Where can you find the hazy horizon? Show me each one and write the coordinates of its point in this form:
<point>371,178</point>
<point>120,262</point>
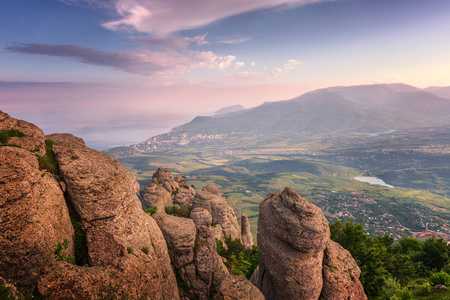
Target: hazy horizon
<point>118,72</point>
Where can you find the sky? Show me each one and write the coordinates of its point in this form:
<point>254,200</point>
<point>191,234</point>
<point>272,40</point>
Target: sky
<point>117,72</point>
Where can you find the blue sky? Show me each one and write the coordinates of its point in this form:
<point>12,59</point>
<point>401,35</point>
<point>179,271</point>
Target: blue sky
<point>117,72</point>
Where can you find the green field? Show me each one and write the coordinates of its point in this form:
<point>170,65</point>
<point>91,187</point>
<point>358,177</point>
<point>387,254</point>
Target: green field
<point>245,176</point>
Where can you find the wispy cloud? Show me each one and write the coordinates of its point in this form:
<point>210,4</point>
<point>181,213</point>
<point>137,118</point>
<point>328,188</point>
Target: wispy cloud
<point>88,3</point>
<point>179,43</point>
<point>231,40</point>
<point>289,65</point>
<point>162,17</point>
<point>142,61</point>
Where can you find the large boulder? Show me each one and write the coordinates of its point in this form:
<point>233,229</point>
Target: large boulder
<point>124,244</point>
<point>296,253</point>
<point>31,137</point>
<point>181,193</point>
<point>33,217</point>
<point>209,206</point>
<point>340,275</point>
<point>237,287</point>
<point>193,254</point>
<point>153,195</point>
<point>246,235</point>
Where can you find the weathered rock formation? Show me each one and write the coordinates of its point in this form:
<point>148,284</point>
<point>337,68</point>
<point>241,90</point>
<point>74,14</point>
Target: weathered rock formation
<point>340,274</point>
<point>193,253</point>
<point>33,213</point>
<point>209,206</point>
<point>125,246</point>
<point>153,195</point>
<point>293,236</point>
<point>181,193</point>
<point>121,252</point>
<point>246,235</point>
<point>33,139</point>
<point>237,288</point>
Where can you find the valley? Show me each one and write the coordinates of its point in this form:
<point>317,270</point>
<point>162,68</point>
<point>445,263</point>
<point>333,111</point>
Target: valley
<point>318,152</point>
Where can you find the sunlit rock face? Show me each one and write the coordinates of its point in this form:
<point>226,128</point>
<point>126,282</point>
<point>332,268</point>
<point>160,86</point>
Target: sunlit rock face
<point>296,252</point>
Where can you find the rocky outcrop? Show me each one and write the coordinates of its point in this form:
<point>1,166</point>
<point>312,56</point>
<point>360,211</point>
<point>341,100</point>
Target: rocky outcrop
<point>33,217</point>
<point>246,235</point>
<point>209,206</point>
<point>237,288</point>
<point>199,267</point>
<point>193,254</point>
<point>181,193</point>
<point>294,233</point>
<point>153,195</point>
<point>340,275</point>
<point>125,246</point>
<point>33,138</point>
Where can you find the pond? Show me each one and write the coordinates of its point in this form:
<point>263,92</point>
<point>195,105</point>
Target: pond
<point>373,180</point>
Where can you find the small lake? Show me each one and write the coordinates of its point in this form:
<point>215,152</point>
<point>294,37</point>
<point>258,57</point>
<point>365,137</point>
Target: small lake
<point>375,133</point>
<point>373,180</point>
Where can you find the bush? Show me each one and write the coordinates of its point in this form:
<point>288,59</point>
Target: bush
<point>145,250</point>
<point>80,242</point>
<point>404,294</point>
<point>175,210</point>
<point>48,161</point>
<point>59,253</point>
<point>390,288</point>
<point>129,250</point>
<point>6,293</point>
<point>423,289</point>
<point>440,278</point>
<point>239,261</point>
<point>6,134</point>
<point>151,211</point>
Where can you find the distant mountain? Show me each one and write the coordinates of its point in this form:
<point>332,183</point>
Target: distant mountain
<point>329,112</point>
<point>441,91</point>
<point>229,109</point>
<point>337,110</point>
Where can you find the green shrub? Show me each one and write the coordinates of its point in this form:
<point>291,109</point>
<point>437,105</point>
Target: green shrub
<point>440,277</point>
<point>6,134</point>
<point>390,289</point>
<point>423,289</point>
<point>151,211</point>
<point>6,293</point>
<point>48,161</point>
<point>175,210</point>
<point>239,260</point>
<point>10,145</point>
<point>59,253</point>
<point>129,250</point>
<point>404,294</point>
<point>145,250</point>
<point>80,243</point>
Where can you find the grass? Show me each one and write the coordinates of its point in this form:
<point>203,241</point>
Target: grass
<point>5,135</point>
<point>248,175</point>
<point>6,293</point>
<point>48,161</point>
<point>80,242</point>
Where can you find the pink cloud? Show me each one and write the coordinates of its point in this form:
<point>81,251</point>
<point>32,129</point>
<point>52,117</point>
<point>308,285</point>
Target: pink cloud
<point>162,17</point>
<point>179,43</point>
<point>166,62</point>
<point>289,65</point>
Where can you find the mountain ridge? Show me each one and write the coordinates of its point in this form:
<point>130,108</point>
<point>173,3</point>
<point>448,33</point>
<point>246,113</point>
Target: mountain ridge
<point>329,112</point>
